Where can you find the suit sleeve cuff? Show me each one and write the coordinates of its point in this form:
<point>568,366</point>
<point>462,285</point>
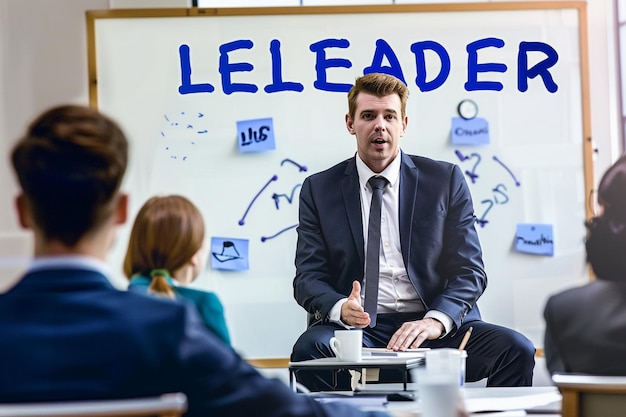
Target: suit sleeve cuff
<point>443,318</point>
<point>334,315</point>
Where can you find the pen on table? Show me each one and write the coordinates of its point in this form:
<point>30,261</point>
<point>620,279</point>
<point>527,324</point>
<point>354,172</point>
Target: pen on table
<point>465,338</point>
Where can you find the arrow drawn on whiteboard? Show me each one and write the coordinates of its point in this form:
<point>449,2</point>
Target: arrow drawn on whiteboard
<point>242,221</point>
<point>302,168</point>
<point>264,238</point>
<point>495,158</point>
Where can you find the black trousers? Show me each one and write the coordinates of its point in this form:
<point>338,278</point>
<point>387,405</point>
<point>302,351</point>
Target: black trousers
<point>502,355</point>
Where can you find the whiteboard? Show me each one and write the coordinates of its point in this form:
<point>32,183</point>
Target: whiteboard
<point>181,81</point>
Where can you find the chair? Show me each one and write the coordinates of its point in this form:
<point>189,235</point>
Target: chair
<point>166,405</point>
<point>591,396</point>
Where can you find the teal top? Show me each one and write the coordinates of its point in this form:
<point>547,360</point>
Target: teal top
<point>207,303</point>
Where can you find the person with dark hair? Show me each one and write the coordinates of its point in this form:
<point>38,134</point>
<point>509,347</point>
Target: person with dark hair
<point>166,252</point>
<point>427,268</point>
<point>68,335</point>
<point>586,325</point>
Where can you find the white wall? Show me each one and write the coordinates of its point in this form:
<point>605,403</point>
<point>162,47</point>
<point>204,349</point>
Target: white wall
<point>43,52</point>
<point>44,62</point>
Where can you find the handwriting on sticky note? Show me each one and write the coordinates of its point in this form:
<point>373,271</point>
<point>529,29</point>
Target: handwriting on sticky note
<point>256,135</point>
<point>537,239</point>
<point>469,132</point>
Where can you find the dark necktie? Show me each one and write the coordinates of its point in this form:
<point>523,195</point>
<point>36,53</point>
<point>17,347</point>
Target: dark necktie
<point>372,270</point>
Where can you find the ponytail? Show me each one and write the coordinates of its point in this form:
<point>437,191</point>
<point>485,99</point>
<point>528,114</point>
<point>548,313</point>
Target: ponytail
<point>159,285</point>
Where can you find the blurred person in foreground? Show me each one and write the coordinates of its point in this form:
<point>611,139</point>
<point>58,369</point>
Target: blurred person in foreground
<point>586,326</point>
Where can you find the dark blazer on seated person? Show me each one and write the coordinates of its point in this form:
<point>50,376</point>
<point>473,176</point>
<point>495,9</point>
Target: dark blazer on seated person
<point>332,199</point>
<point>586,329</point>
<point>586,326</point>
<point>67,334</point>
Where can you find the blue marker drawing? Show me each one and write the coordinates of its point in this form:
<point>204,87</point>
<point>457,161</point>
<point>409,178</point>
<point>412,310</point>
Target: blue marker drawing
<point>264,238</point>
<point>302,168</point>
<point>482,221</point>
<point>498,191</point>
<point>495,158</point>
<point>289,198</point>
<point>472,174</point>
<point>180,131</point>
<point>242,220</point>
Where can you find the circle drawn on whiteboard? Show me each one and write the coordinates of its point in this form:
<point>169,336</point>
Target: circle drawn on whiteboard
<point>467,109</point>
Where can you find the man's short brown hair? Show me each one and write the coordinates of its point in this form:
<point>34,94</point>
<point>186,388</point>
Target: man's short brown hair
<point>380,85</point>
<point>70,165</point>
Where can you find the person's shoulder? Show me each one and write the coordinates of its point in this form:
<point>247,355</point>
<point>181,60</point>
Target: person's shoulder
<point>432,169</point>
<point>198,295</point>
<point>139,284</point>
<point>575,295</point>
<point>143,306</point>
<point>423,162</point>
<point>332,172</point>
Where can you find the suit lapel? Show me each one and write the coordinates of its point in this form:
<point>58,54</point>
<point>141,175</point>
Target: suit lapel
<point>407,199</point>
<point>352,201</point>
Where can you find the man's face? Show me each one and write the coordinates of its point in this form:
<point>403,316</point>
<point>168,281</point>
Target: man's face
<point>378,126</point>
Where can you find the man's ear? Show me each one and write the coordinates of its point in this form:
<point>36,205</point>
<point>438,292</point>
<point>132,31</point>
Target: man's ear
<point>349,124</point>
<point>23,211</point>
<point>121,210</point>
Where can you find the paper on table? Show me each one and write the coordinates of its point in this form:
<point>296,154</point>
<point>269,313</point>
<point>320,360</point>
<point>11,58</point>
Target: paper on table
<point>503,400</point>
<point>416,352</point>
<point>360,401</point>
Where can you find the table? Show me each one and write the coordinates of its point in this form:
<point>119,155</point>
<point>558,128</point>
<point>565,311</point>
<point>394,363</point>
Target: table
<point>401,363</point>
<point>480,402</point>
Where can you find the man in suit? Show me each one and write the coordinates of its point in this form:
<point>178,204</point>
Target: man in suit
<point>431,270</point>
<point>586,325</point>
<point>67,334</point>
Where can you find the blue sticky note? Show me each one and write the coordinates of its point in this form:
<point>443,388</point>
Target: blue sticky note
<point>537,239</point>
<point>229,254</point>
<point>256,135</point>
<point>469,132</point>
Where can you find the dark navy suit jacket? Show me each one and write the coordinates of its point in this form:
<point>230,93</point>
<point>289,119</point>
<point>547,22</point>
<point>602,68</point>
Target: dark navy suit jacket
<point>67,334</point>
<point>440,246</point>
<point>586,329</point>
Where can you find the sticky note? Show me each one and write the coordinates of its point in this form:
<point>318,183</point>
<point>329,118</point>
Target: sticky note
<point>536,239</point>
<point>256,135</point>
<point>469,132</point>
<point>229,254</point>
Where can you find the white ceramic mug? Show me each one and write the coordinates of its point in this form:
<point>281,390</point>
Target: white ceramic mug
<point>347,344</point>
